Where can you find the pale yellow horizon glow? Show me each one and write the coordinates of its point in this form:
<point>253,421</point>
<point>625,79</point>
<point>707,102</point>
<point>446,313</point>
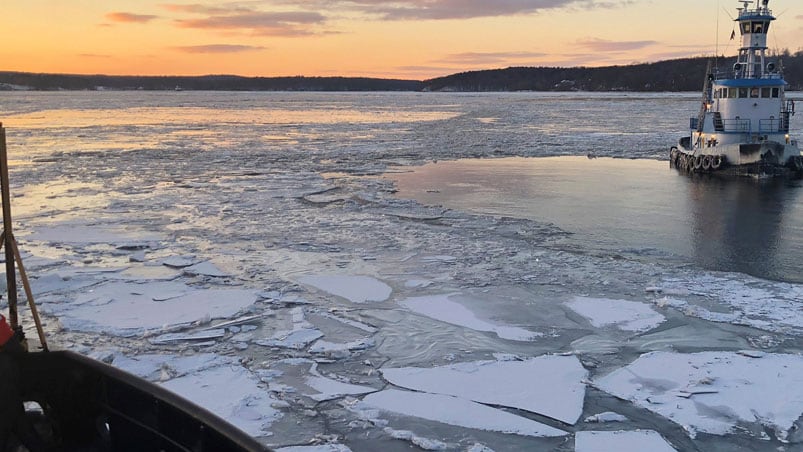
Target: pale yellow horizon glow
<point>353,38</point>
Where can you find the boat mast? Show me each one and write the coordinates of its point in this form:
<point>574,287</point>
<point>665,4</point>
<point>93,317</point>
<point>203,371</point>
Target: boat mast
<point>13,253</point>
<point>11,277</point>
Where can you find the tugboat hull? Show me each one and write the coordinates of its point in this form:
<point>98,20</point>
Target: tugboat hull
<point>768,158</point>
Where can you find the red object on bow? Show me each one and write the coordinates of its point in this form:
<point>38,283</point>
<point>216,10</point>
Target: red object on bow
<point>5,331</point>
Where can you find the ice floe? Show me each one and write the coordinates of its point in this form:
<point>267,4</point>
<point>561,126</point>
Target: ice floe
<point>83,234</point>
<point>445,309</point>
<point>296,339</point>
<point>340,350</point>
<point>548,385</point>
<point>128,309</point>
<point>205,269</point>
<point>299,337</point>
<point>421,442</point>
<point>356,289</point>
<point>608,416</point>
<point>624,441</point>
<point>317,448</point>
<point>301,376</point>
<point>739,299</point>
<point>622,314</point>
<point>171,338</point>
<point>714,392</point>
<point>454,411</point>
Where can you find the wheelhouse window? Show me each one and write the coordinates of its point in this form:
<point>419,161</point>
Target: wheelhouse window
<point>755,27</point>
<point>742,93</point>
<point>776,93</point>
<point>754,93</point>
<point>765,93</point>
<point>732,93</point>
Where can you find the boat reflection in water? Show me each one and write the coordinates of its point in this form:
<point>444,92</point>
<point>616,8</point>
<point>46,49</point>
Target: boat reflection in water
<point>747,226</point>
<point>636,208</point>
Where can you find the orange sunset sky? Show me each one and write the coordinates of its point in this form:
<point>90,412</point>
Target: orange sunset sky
<point>412,39</point>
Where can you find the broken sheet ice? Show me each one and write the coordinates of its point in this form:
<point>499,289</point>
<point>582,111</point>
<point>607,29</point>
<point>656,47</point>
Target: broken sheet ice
<point>608,416</point>
<point>84,234</point>
<point>129,309</point>
<point>179,261</point>
<point>625,441</point>
<point>713,392</point>
<point>738,299</point>
<point>302,376</point>
<point>341,350</point>
<point>622,314</point>
<point>420,441</point>
<point>232,393</point>
<point>171,338</point>
<point>296,339</point>
<point>216,383</point>
<point>205,269</point>
<point>454,411</point>
<point>444,309</point>
<point>548,385</point>
<point>356,289</point>
<point>318,448</point>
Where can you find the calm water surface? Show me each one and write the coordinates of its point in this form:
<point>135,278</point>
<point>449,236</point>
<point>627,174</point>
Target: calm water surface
<point>632,207</point>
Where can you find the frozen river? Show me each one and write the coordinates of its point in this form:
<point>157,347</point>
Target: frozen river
<point>262,254</point>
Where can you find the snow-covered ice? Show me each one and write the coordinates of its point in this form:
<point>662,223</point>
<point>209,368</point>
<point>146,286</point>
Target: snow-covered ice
<point>622,314</point>
<point>296,339</point>
<point>714,392</point>
<point>443,308</point>
<point>740,299</point>
<point>128,309</point>
<point>219,384</point>
<point>548,385</point>
<point>608,416</point>
<point>455,411</point>
<point>421,442</point>
<point>318,448</point>
<point>624,441</point>
<point>205,269</point>
<point>356,289</point>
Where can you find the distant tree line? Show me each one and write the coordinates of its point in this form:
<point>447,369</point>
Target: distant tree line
<point>49,82</point>
<point>685,74</point>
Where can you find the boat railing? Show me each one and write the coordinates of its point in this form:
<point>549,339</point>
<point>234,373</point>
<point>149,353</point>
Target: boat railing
<point>759,11</point>
<point>772,125</point>
<point>736,125</point>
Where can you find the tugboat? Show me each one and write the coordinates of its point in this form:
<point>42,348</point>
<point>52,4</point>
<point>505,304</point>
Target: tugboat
<point>743,124</point>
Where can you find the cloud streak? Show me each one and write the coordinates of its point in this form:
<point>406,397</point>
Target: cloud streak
<point>122,17</point>
<point>602,45</point>
<point>458,9</point>
<point>217,48</point>
<point>484,58</point>
<point>247,21</point>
